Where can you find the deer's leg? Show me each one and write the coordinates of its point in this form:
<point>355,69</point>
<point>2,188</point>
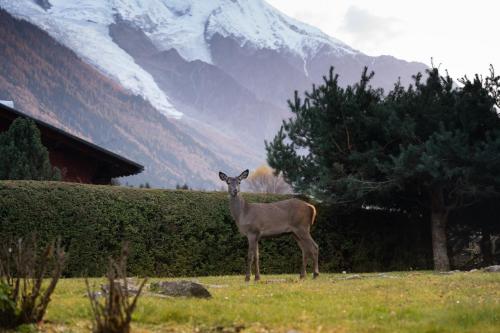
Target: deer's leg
<point>256,256</point>
<point>311,249</point>
<point>252,241</point>
<point>315,255</point>
<point>304,256</point>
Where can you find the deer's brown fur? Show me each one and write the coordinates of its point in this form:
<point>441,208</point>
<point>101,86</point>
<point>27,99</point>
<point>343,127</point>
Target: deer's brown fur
<point>257,220</point>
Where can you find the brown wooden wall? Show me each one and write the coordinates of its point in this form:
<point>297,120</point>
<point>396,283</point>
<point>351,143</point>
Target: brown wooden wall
<point>78,160</point>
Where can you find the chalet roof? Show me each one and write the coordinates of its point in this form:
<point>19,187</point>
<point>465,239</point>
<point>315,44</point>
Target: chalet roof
<point>118,165</point>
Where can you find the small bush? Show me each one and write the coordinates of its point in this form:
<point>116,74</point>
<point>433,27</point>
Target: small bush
<point>115,315</point>
<point>23,300</point>
<point>7,305</point>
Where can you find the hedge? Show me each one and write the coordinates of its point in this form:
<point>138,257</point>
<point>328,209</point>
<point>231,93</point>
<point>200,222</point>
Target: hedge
<point>189,233</point>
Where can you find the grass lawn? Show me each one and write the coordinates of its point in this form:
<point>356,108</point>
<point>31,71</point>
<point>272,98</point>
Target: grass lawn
<point>393,302</point>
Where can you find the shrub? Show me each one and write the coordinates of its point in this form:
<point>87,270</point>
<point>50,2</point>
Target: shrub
<point>7,305</point>
<point>191,233</point>
<point>23,300</point>
<point>115,315</point>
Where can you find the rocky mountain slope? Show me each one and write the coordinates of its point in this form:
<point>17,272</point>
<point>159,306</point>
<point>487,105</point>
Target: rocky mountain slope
<point>48,81</point>
<point>222,70</point>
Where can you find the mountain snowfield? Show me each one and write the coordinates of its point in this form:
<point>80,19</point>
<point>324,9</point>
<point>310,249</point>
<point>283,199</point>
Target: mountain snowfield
<point>184,25</point>
<point>83,27</point>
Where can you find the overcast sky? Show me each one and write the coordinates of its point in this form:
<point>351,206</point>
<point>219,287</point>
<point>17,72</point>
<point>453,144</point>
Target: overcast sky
<point>461,35</point>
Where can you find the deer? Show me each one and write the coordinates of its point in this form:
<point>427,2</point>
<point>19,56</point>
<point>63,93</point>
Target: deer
<point>257,220</point>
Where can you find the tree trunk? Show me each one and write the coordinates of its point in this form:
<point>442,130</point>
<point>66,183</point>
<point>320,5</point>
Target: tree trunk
<point>486,249</point>
<point>439,217</point>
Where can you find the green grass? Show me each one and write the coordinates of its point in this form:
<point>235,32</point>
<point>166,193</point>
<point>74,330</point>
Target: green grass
<point>402,302</point>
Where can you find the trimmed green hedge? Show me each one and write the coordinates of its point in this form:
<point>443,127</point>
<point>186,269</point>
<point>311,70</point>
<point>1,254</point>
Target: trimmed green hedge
<point>188,233</point>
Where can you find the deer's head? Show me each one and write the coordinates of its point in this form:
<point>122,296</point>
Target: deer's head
<point>233,183</point>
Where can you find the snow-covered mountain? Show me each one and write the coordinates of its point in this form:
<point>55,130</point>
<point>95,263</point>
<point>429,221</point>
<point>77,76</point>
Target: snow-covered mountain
<point>223,68</point>
<point>187,26</point>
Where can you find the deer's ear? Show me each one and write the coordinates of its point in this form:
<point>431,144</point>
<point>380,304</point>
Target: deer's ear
<point>243,175</point>
<point>222,176</point>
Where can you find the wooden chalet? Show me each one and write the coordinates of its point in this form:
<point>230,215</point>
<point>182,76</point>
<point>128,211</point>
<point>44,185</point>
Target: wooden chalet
<point>79,160</point>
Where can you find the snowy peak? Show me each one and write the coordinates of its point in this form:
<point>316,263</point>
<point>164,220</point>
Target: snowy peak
<point>263,26</point>
<point>189,25</point>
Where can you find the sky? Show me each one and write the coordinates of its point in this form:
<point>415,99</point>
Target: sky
<point>461,36</point>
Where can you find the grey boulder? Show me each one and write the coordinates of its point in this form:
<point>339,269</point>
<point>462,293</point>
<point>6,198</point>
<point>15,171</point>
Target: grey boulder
<point>180,289</point>
<point>492,269</point>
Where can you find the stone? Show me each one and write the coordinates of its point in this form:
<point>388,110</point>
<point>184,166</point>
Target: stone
<point>450,272</point>
<point>216,286</point>
<point>130,289</point>
<point>226,329</point>
<point>492,269</point>
<point>384,275</point>
<point>94,294</point>
<point>180,289</point>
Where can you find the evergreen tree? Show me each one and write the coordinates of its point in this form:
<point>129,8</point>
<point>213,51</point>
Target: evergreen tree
<point>432,145</point>
<point>182,187</point>
<point>22,154</point>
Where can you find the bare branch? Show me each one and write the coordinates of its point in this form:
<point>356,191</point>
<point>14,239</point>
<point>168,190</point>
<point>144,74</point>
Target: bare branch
<point>115,315</point>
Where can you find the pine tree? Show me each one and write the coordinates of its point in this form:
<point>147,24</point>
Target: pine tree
<point>432,144</point>
<point>182,187</point>
<point>22,154</point>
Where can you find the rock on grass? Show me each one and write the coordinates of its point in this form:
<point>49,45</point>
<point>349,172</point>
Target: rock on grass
<point>180,289</point>
<point>492,269</point>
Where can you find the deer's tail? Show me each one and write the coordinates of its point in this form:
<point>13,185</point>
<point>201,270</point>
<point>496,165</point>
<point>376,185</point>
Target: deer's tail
<point>313,211</point>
